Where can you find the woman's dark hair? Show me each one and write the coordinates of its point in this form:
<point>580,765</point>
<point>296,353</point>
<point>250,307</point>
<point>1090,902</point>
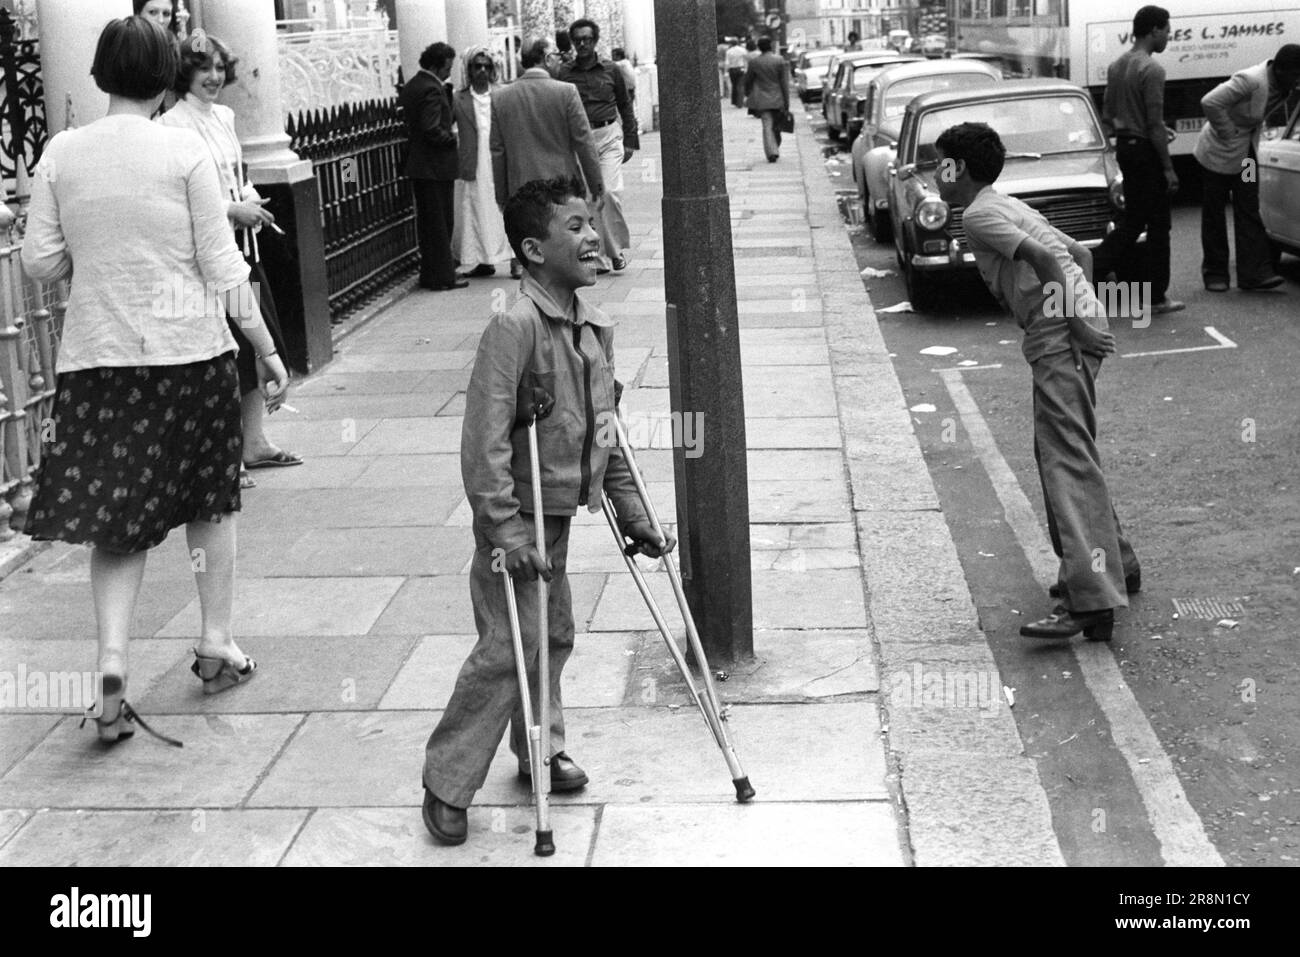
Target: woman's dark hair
<point>436,56</point>
<point>172,24</point>
<point>196,54</point>
<point>528,211</point>
<point>135,58</point>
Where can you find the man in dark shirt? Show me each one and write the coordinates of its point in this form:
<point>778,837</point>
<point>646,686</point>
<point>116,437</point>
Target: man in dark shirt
<point>613,127</point>
<point>1133,112</point>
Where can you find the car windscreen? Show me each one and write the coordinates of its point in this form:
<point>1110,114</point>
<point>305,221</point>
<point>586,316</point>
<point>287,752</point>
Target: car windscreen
<point>1042,124</point>
<point>899,94</point>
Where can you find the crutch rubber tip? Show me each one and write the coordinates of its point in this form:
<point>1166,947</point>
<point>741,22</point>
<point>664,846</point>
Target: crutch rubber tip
<point>744,790</point>
<point>545,844</point>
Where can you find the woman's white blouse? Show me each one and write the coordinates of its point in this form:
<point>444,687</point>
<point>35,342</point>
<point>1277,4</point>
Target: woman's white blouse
<point>133,212</point>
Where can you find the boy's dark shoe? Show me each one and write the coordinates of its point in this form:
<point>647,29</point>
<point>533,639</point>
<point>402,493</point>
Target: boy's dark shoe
<point>458,283</point>
<point>1095,625</point>
<point>448,824</point>
<point>565,774</point>
<point>1132,585</point>
<point>1216,284</point>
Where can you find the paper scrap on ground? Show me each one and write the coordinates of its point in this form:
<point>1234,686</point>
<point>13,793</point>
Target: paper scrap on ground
<point>938,350</point>
<point>903,306</point>
<point>1227,623</point>
<point>1006,342</point>
<point>923,407</point>
<point>871,272</point>
<point>1010,695</point>
<point>968,362</point>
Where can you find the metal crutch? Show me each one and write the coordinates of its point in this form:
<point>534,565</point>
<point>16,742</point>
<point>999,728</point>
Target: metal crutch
<point>534,731</point>
<point>708,703</point>
<point>539,736</point>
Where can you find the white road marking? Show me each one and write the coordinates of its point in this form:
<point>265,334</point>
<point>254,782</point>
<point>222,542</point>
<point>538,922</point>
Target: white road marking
<point>1223,343</point>
<point>994,365</point>
<point>1176,825</point>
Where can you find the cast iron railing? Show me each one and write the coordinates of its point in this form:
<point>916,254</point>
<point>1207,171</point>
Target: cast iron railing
<point>367,212</point>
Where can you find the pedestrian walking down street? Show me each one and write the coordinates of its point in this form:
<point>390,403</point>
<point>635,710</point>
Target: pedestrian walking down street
<point>614,131</point>
<point>1040,275</point>
<point>619,56</point>
<point>1133,112</point>
<point>767,91</point>
<point>431,165</point>
<point>552,343</point>
<point>540,131</point>
<point>146,422</point>
<point>206,68</point>
<point>736,64</point>
<point>1237,111</point>
<point>479,234</point>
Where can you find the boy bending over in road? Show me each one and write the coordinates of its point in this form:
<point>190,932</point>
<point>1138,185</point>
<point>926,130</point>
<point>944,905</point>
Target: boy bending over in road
<point>549,347</point>
<point>1039,274</point>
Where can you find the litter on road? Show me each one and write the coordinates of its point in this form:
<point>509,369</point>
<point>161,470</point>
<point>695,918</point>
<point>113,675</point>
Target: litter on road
<point>938,351</point>
<point>904,306</point>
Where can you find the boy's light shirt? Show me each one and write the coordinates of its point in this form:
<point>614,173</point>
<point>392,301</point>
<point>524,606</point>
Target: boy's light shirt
<point>995,227</point>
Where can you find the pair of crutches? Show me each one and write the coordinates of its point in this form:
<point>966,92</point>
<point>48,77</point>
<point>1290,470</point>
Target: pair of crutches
<point>706,698</point>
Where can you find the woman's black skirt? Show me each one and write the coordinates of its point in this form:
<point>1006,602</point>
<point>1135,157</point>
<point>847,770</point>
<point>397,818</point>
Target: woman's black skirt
<point>136,451</point>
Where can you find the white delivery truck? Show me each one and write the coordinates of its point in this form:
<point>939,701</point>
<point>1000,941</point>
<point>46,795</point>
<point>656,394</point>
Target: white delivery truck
<point>1077,40</point>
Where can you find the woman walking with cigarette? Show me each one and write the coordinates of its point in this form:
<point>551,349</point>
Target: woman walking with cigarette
<point>146,434</point>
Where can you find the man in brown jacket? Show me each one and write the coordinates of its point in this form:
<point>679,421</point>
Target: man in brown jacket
<point>767,91</point>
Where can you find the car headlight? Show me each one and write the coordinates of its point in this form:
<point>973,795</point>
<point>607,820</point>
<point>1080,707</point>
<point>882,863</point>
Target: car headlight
<point>1117,191</point>
<point>932,213</point>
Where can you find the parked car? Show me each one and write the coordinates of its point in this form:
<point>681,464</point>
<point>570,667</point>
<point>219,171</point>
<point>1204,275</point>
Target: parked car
<point>1279,186</point>
<point>1058,161</point>
<point>833,67</point>
<point>888,94</point>
<point>843,105</point>
<point>934,44</point>
<point>809,71</point>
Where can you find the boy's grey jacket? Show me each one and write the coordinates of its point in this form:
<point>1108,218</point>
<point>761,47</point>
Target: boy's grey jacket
<point>533,345</point>
<point>1234,115</point>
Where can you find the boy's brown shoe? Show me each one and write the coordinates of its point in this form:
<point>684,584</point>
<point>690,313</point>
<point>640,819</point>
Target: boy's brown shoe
<point>565,774</point>
<point>448,824</point>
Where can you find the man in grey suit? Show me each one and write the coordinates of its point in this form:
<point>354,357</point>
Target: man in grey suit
<point>540,130</point>
<point>767,91</point>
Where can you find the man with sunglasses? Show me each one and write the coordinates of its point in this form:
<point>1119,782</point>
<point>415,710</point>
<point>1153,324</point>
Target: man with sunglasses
<point>614,129</point>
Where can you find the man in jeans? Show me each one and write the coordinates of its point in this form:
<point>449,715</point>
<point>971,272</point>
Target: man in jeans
<point>613,128</point>
<point>1133,111</point>
<point>1237,111</point>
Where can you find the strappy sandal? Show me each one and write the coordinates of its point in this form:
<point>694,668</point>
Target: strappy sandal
<point>120,728</point>
<point>218,674</point>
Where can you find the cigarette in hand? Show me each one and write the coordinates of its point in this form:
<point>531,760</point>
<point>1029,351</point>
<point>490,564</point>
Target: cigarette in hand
<point>276,228</point>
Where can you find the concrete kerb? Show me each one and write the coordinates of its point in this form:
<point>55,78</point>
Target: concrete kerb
<point>969,793</point>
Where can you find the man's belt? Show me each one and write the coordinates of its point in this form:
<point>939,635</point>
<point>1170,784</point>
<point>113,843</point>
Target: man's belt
<point>598,126</point>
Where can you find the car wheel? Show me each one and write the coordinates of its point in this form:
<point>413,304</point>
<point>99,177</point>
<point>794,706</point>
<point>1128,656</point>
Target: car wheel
<point>920,289</point>
<point>882,230</point>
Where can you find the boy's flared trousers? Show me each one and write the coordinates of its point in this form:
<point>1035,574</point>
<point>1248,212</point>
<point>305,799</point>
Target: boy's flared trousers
<point>1081,519</point>
<point>486,697</point>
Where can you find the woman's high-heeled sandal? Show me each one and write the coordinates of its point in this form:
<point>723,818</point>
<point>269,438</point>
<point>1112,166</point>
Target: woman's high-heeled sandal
<point>218,674</point>
<point>119,728</point>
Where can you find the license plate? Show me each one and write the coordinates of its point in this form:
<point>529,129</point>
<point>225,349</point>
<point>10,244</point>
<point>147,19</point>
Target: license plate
<point>1189,126</point>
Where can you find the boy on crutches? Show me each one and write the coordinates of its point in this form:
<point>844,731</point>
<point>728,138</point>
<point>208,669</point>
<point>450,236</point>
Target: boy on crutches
<point>550,356</point>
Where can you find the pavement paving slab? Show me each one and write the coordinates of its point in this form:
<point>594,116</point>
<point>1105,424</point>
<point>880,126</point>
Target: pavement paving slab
<point>223,758</point>
<point>853,834</point>
<point>200,837</point>
<point>395,837</point>
<point>19,733</point>
<point>298,606</point>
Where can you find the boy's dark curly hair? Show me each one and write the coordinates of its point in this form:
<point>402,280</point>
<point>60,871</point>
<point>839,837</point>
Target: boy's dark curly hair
<point>528,210</point>
<point>979,145</point>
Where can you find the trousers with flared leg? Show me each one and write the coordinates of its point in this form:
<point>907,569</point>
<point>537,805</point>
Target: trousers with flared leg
<point>486,696</point>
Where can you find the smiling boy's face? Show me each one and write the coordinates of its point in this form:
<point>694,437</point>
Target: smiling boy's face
<point>570,255</point>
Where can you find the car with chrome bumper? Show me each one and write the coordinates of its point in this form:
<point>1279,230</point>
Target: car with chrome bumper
<point>810,72</point>
<point>844,102</point>
<point>1058,161</point>
<point>887,96</point>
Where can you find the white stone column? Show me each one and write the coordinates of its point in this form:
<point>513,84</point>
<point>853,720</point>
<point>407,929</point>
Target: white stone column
<point>69,31</point>
<point>467,26</point>
<point>419,23</point>
<point>537,20</point>
<point>601,12</point>
<point>639,30</point>
<point>247,27</point>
